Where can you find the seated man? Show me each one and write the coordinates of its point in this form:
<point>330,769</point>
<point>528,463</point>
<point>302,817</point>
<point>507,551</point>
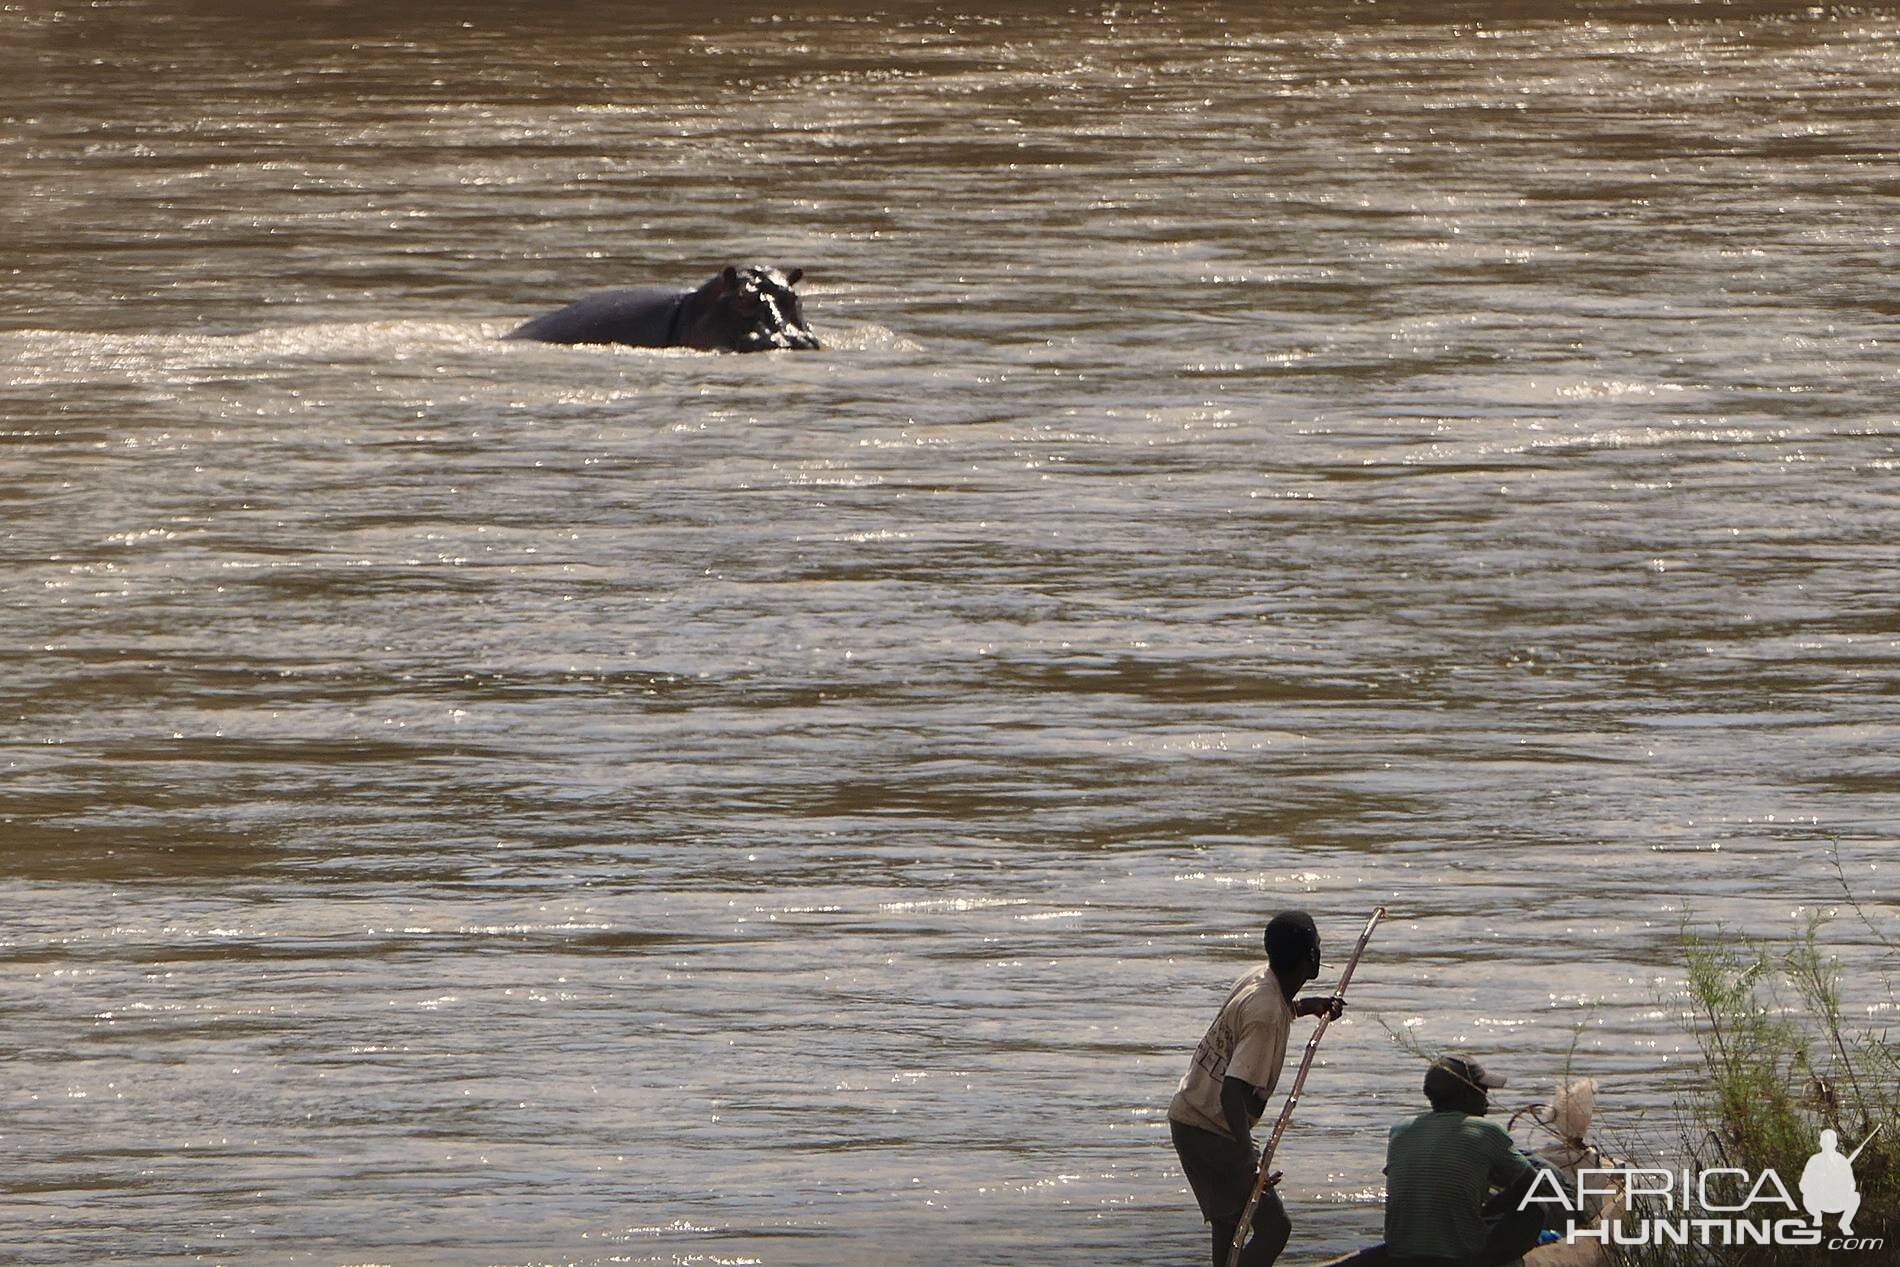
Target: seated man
<point>1440,1165</point>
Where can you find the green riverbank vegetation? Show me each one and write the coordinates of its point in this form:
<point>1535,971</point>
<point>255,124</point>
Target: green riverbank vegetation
<point>1786,1056</point>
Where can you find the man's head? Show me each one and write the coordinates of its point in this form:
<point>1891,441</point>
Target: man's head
<point>1829,1141</point>
<point>1459,1083</point>
<point>1293,947</point>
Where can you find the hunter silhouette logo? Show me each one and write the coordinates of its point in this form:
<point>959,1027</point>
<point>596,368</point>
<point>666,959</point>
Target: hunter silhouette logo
<point>1827,1181</point>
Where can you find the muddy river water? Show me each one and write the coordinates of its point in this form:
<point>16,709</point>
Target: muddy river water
<point>479,803</point>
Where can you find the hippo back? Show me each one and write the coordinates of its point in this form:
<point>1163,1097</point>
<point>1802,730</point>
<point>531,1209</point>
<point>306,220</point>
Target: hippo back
<point>641,317</point>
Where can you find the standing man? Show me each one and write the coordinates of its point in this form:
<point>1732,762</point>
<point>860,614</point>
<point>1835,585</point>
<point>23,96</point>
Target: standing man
<point>1232,1076</point>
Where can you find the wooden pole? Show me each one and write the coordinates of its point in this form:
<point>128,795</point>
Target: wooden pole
<point>1261,1180</point>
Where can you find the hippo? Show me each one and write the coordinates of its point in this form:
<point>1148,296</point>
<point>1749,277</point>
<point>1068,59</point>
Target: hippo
<point>749,309</point>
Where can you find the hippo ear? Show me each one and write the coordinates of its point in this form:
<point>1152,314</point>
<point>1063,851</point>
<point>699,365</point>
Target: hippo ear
<point>731,277</point>
<point>791,278</point>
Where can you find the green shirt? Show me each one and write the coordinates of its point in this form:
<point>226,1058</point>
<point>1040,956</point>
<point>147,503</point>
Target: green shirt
<point>1438,1169</point>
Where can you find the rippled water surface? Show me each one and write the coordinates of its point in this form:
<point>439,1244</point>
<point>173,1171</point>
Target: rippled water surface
<point>473,803</point>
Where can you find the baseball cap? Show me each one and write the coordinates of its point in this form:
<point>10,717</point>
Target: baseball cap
<point>1452,1073</point>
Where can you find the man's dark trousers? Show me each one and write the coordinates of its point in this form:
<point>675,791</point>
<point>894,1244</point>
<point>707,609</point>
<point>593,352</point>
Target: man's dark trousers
<point>1221,1172</point>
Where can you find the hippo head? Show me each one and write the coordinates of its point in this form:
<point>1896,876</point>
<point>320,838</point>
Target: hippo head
<point>749,309</point>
